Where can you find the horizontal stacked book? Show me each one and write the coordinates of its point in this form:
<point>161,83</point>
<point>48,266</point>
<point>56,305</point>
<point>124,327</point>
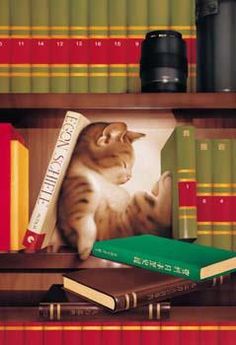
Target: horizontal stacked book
<point>14,186</point>
<point>84,46</point>
<point>203,172</point>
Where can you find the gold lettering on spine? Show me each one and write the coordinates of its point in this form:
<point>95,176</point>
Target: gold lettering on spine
<point>150,311</point>
<point>127,301</point>
<point>51,311</point>
<point>134,299</point>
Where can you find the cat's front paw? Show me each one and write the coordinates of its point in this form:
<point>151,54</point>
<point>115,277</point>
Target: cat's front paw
<point>85,253</point>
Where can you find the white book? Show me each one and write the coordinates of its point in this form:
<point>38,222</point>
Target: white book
<point>43,219</point>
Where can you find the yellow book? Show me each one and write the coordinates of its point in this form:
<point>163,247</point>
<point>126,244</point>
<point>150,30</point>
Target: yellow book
<point>19,193</point>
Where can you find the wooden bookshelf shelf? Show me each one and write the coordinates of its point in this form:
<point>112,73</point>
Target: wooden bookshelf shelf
<point>119,101</point>
<point>43,262</point>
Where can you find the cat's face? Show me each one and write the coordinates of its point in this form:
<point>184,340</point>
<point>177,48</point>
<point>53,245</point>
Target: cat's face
<point>107,148</point>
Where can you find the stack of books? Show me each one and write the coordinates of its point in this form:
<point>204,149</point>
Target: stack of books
<point>84,45</point>
<point>14,187</point>
<point>203,188</point>
<point>161,269</point>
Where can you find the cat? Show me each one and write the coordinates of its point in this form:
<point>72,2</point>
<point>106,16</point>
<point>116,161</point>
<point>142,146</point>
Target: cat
<point>93,206</point>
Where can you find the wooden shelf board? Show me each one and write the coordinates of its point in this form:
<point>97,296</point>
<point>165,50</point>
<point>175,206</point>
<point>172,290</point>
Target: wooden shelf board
<point>147,101</point>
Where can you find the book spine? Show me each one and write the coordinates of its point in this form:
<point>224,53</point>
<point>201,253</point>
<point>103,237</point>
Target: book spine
<point>118,49</point>
<point>98,46</point>
<point>79,46</point>
<point>59,27</point>
<point>234,193</point>
<point>192,63</point>
<point>158,15</point>
<point>181,15</point>
<point>86,311</point>
<point>43,218</point>
<point>20,46</point>
<point>178,156</point>
<point>19,194</point>
<point>222,194</point>
<point>137,13</point>
<point>204,191</point>
<point>40,46</point>
<point>148,262</point>
<point>4,46</point>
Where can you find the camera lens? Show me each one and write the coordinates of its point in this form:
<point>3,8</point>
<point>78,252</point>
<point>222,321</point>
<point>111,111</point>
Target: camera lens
<point>163,64</point>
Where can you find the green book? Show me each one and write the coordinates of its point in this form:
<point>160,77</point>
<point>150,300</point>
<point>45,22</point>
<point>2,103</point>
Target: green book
<point>79,35</point>
<point>20,47</point>
<point>155,253</point>
<point>59,27</point>
<point>137,12</point>
<point>234,191</point>
<point>204,191</point>
<point>4,46</point>
<point>117,17</point>
<point>178,157</point>
<point>221,178</point>
<point>181,16</point>
<point>40,46</point>
<point>98,33</point>
<point>158,15</point>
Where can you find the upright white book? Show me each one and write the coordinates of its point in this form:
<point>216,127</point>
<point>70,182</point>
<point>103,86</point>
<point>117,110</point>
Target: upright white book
<point>43,219</point>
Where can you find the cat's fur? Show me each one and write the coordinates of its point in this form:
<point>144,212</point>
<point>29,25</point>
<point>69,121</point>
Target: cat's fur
<point>92,206</point>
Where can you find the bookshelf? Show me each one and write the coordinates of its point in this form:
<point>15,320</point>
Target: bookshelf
<point>39,116</point>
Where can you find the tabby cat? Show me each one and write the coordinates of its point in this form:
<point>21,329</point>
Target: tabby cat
<point>92,206</point>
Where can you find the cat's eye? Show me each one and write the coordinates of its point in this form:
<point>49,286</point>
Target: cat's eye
<point>124,164</point>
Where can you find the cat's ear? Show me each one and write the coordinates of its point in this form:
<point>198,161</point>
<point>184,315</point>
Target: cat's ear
<point>113,132</point>
<point>132,136</point>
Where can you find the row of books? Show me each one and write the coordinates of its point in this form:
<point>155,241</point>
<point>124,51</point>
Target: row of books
<point>204,182</point>
<point>14,186</point>
<point>84,45</point>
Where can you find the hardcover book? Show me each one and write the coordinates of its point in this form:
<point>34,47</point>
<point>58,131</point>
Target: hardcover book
<point>59,304</point>
<point>222,191</point>
<point>126,288</point>
<point>234,192</point>
<point>4,46</point>
<point>43,218</point>
<point>7,134</point>
<point>181,259</point>
<point>40,46</point>
<point>178,156</point>
<point>204,191</point>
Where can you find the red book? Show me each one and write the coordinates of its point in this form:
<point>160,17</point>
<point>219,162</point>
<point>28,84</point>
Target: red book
<point>227,334</point>
<point>71,333</point>
<point>189,334</point>
<point>91,333</point>
<point>52,334</point>
<point>7,133</point>
<point>209,334</point>
<point>130,333</point>
<point>150,333</point>
<point>2,333</point>
<point>33,334</point>
<point>170,333</point>
<point>14,334</point>
<point>111,333</point>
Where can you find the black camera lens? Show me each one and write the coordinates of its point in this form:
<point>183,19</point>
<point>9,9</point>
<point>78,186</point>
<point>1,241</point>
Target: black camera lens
<point>163,64</point>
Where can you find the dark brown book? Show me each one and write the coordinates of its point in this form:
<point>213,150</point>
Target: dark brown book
<point>122,288</point>
<point>61,305</point>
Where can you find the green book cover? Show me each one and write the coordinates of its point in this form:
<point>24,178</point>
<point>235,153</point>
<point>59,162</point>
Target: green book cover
<point>79,35</point>
<point>181,17</point>
<point>155,253</point>
<point>221,178</point>
<point>178,156</point>
<point>204,191</point>
<point>158,14</point>
<point>40,47</point>
<point>234,190</point>
<point>59,27</point>
<point>98,32</point>
<point>20,48</point>
<point>117,17</point>
<point>137,13</point>
<point>4,46</point>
